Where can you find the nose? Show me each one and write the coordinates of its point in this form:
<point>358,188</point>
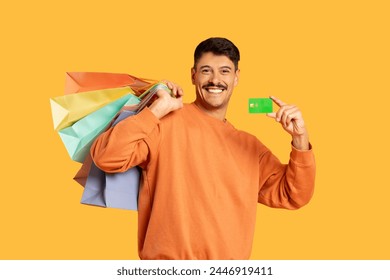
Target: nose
<point>214,78</point>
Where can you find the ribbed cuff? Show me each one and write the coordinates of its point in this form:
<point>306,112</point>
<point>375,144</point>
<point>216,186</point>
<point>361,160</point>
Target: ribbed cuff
<point>302,157</point>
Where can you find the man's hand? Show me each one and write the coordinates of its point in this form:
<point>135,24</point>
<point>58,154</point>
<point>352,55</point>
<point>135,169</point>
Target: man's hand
<point>165,103</point>
<point>290,117</point>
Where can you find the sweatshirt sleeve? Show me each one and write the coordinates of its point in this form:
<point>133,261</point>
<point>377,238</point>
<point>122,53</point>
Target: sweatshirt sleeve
<point>127,144</point>
<point>288,186</point>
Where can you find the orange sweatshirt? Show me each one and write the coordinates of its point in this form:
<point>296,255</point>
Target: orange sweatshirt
<point>202,180</point>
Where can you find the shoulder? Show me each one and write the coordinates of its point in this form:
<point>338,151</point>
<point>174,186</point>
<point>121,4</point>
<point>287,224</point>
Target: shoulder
<point>177,114</point>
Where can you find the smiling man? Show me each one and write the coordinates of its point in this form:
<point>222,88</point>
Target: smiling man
<point>202,178</point>
<point>214,77</point>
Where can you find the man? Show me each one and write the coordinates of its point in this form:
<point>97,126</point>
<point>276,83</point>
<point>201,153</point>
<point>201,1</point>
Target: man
<point>202,178</point>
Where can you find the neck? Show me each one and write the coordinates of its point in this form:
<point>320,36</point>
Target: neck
<point>218,113</point>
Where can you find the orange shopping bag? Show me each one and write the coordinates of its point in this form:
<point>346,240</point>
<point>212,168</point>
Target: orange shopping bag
<point>89,81</point>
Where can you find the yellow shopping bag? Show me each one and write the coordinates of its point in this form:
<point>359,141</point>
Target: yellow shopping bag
<point>68,109</point>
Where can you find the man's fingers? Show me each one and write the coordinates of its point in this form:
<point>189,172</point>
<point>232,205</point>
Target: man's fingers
<point>161,92</point>
<point>288,115</point>
<point>278,102</point>
<point>180,92</point>
<point>168,83</point>
<point>178,103</point>
<point>285,114</point>
<point>175,89</point>
<point>280,112</point>
<point>271,115</point>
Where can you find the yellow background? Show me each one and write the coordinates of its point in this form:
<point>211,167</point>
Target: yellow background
<point>331,58</point>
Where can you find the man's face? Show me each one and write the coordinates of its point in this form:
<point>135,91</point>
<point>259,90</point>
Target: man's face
<point>214,78</point>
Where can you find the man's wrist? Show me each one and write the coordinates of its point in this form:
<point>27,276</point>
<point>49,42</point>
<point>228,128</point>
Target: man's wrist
<point>301,142</point>
<point>159,108</point>
<point>156,111</point>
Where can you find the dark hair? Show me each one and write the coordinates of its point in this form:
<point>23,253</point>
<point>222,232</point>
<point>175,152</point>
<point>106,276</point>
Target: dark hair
<point>218,46</point>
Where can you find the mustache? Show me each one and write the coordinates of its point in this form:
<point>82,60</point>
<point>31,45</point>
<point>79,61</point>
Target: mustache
<point>221,86</point>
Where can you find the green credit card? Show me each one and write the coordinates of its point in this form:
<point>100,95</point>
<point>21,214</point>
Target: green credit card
<point>260,105</point>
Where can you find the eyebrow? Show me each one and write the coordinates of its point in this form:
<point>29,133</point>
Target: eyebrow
<point>222,67</point>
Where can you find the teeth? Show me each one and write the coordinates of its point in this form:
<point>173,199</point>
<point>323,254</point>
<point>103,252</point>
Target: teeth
<point>211,90</point>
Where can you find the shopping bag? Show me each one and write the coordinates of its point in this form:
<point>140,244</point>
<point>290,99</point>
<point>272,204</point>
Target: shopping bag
<point>78,116</point>
<point>88,81</point>
<point>82,175</point>
<point>67,109</point>
<point>112,190</point>
<point>79,137</point>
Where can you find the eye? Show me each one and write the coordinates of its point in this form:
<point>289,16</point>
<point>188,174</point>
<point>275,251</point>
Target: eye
<point>225,71</point>
<point>205,71</point>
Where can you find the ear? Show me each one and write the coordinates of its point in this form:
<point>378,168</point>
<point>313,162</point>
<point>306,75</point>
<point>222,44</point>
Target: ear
<point>193,75</point>
<point>237,77</point>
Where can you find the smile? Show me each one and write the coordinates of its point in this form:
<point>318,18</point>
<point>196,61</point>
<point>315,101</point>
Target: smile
<point>214,90</point>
